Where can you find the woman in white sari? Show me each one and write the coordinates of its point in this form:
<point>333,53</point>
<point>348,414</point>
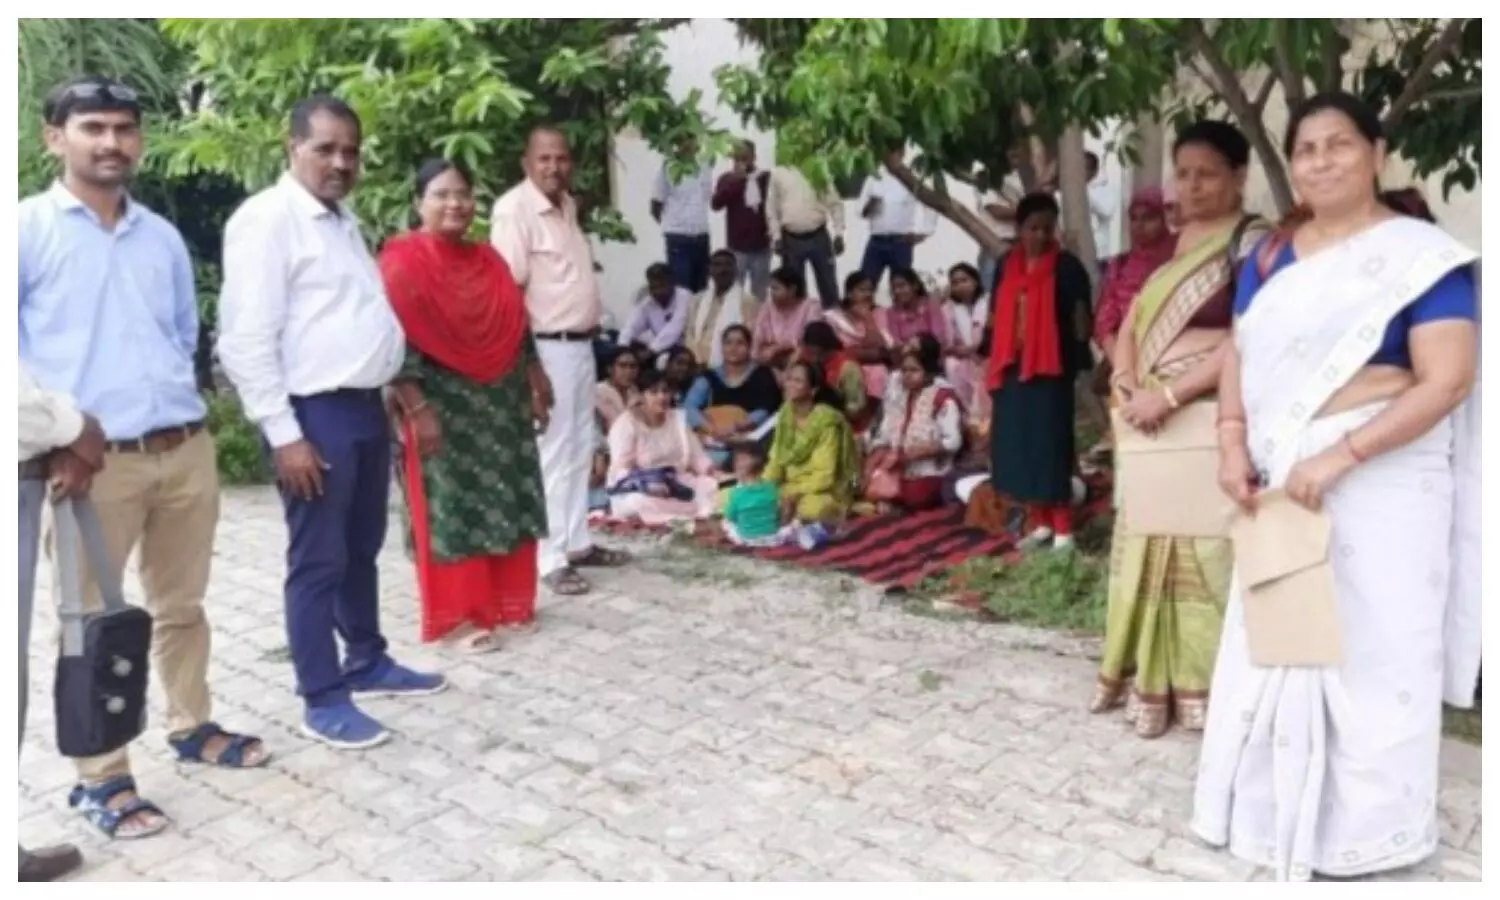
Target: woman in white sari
<point>1349,387</point>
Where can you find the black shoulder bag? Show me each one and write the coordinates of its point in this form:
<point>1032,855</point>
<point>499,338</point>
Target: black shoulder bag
<point>100,691</point>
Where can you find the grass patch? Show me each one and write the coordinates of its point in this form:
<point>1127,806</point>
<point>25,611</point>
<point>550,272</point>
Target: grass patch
<point>1466,725</point>
<point>1043,589</point>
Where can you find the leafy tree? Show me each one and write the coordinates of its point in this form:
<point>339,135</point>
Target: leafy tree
<point>842,93</point>
<point>465,89</point>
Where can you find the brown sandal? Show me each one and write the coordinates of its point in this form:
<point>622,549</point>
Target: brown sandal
<point>597,557</point>
<point>566,582</point>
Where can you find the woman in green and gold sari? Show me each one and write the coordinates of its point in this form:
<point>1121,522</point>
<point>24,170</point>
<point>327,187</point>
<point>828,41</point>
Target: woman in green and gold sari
<point>814,459</point>
<point>1167,594</point>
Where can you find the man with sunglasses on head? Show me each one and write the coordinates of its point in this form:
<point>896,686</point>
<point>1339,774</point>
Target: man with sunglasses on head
<point>109,316</point>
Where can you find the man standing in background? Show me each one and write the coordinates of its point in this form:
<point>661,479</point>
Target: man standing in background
<point>997,207</point>
<point>535,228</point>
<point>681,208</point>
<point>741,193</point>
<point>807,228</point>
<point>59,443</point>
<point>898,223</point>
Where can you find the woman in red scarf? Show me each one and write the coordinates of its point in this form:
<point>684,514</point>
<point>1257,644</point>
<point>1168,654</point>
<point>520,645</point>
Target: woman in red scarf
<point>1039,344</point>
<point>476,501</point>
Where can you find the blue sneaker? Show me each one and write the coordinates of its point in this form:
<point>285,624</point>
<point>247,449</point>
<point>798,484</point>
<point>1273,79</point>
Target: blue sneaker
<point>391,679</point>
<point>343,727</point>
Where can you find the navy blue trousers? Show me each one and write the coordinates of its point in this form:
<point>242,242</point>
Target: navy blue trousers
<point>882,252</point>
<point>687,255</point>
<point>332,584</point>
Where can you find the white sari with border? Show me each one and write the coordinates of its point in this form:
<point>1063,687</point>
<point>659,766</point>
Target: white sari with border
<point>1335,770</point>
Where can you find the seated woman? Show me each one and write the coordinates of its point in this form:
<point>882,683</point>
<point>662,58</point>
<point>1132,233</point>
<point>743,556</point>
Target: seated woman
<point>966,313</point>
<point>658,472</point>
<point>680,372</point>
<point>778,328</point>
<point>821,347</point>
<point>859,329</point>
<point>921,433</point>
<point>728,403</point>
<point>814,459</point>
<point>618,392</point>
<point>912,313</point>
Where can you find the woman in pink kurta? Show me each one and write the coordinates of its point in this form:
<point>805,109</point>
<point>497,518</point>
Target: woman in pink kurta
<point>912,313</point>
<point>967,311</point>
<point>858,328</point>
<point>658,472</point>
<point>778,328</point>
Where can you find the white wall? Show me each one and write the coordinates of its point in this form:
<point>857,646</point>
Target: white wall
<point>693,52</point>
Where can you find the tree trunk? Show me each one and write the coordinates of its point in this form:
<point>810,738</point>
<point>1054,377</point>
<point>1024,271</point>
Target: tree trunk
<point>1073,171</point>
<point>1153,151</point>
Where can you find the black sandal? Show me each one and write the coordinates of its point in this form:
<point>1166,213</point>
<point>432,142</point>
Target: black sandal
<point>191,746</point>
<point>566,582</point>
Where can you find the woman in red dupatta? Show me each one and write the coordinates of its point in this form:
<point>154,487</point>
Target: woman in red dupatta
<point>1038,347</point>
<point>475,497</point>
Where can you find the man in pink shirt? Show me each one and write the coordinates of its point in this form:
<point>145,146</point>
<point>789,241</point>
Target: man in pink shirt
<point>535,227</point>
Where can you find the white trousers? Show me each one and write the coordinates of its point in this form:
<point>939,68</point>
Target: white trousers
<point>567,450</point>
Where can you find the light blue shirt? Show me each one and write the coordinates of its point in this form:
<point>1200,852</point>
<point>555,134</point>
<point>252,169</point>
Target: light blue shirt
<point>109,318</point>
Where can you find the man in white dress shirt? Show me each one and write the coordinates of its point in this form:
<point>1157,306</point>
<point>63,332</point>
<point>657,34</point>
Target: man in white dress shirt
<point>56,440</point>
<point>680,206</point>
<point>898,223</point>
<point>309,340</point>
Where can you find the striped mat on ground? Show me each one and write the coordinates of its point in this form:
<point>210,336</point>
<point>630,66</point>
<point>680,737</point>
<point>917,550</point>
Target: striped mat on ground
<point>895,550</point>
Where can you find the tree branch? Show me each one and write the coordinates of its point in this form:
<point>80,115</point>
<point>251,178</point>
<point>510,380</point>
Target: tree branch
<point>943,204</point>
<point>1264,95</point>
<point>1293,86</point>
<point>628,27</point>
<point>1459,93</point>
<point>1244,111</point>
<point>1422,75</point>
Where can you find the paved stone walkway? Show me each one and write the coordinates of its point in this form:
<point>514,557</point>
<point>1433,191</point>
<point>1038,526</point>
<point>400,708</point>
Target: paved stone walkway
<point>684,723</point>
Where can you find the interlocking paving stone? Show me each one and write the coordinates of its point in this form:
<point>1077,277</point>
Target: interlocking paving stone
<point>670,727</point>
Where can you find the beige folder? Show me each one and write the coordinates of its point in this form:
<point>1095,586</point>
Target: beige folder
<point>1169,483</point>
<point>1291,603</point>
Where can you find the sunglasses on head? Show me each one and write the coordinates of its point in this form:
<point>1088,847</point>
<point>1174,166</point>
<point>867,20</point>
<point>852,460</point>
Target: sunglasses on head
<point>91,89</point>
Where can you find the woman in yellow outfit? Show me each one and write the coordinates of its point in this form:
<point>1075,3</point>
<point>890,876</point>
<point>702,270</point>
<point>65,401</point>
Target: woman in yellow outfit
<point>814,458</point>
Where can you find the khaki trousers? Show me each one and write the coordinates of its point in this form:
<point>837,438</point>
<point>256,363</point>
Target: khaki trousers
<point>167,504</point>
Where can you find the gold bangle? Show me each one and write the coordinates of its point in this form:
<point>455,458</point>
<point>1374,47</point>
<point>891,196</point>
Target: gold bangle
<point>413,410</point>
<point>1166,391</point>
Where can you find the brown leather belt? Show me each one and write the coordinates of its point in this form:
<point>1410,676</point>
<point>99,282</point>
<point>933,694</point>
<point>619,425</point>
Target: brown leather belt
<point>162,440</point>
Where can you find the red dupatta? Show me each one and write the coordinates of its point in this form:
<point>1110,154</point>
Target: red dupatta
<point>1041,349</point>
<point>457,303</point>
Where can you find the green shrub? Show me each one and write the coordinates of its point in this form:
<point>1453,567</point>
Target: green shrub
<point>241,460</point>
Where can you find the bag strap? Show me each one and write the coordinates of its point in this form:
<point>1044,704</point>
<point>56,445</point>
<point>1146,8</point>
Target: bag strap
<point>75,523</point>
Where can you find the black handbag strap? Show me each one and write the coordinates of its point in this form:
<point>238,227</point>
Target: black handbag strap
<point>76,523</point>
